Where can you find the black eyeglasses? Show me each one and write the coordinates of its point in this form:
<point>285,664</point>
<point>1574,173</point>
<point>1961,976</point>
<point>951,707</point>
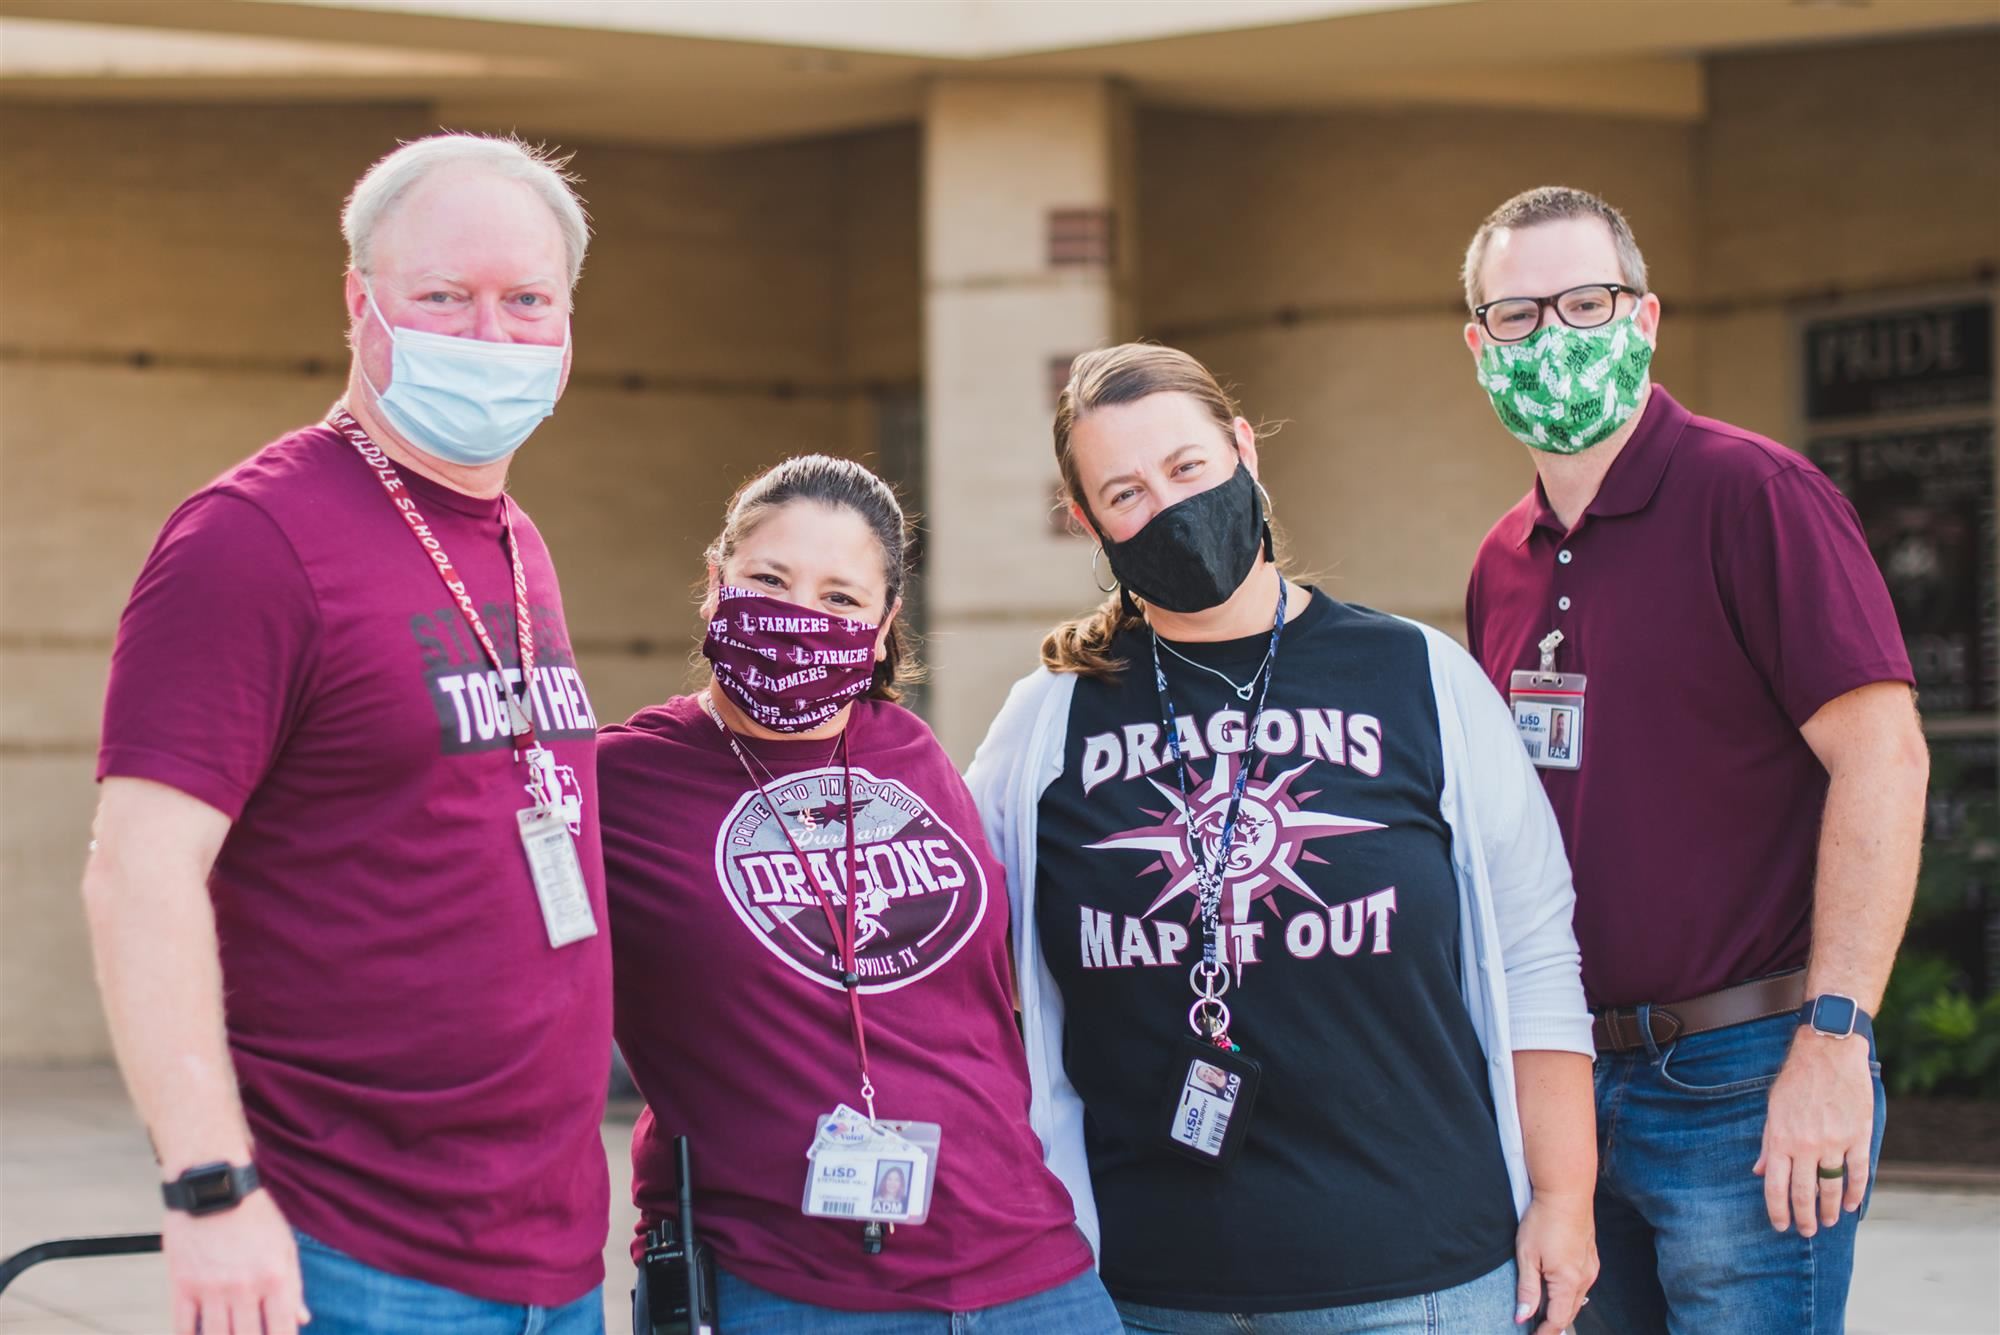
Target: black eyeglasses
<point>1511,319</point>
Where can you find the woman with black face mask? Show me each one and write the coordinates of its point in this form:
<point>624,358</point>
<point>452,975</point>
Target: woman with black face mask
<point>1305,1029</point>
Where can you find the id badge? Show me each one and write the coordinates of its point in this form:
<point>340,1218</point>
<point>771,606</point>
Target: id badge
<point>870,1170</point>
<point>1209,1102</point>
<point>558,876</point>
<point>1548,713</point>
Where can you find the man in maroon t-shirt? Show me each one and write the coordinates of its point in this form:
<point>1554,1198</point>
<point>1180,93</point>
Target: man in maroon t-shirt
<point>1704,664</point>
<point>346,892</point>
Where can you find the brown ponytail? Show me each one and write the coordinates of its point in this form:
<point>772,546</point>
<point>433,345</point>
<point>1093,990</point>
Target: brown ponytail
<point>1083,645</point>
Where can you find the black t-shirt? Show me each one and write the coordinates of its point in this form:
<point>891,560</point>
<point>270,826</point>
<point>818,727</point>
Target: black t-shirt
<point>1372,1168</point>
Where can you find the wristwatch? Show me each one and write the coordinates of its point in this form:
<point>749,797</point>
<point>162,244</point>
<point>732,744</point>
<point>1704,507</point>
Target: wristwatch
<point>1836,1016</point>
<point>210,1188</point>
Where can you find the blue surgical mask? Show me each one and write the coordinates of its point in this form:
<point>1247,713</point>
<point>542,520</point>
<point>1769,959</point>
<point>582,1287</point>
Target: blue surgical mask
<point>464,400</point>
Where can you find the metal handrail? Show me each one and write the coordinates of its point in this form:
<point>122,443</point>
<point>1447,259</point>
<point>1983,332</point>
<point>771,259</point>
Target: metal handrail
<point>60,1249</point>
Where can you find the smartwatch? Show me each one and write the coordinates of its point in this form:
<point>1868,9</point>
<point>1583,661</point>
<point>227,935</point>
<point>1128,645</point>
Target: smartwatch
<point>1836,1016</point>
<point>210,1188</point>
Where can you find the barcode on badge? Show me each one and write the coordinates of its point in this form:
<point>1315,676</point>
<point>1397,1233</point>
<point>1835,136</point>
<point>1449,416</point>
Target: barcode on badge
<point>837,1207</point>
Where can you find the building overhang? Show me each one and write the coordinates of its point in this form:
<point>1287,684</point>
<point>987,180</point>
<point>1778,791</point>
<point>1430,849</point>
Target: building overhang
<point>694,72</point>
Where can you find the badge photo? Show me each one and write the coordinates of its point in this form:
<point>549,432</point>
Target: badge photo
<point>867,1170</point>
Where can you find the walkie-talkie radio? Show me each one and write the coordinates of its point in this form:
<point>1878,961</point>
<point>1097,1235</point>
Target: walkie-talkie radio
<point>675,1290</point>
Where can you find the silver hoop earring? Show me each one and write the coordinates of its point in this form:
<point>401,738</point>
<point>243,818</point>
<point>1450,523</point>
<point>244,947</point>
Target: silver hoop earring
<point>1263,491</point>
<point>1098,580</point>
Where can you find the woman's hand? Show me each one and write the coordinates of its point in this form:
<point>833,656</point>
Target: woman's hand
<point>1556,1247</point>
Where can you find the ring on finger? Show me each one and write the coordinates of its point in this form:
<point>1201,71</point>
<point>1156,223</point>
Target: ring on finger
<point>1834,1173</point>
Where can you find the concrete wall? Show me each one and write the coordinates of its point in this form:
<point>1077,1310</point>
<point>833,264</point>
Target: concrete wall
<point>731,305</point>
<point>1389,467</point>
<point>999,157</point>
<point>1312,261</point>
<point>1852,169</point>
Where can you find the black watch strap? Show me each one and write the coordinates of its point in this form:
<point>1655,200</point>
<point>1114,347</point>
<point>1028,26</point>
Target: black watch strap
<point>210,1188</point>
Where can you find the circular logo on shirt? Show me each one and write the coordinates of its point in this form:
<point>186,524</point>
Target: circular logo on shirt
<point>1273,826</point>
<point>919,891</point>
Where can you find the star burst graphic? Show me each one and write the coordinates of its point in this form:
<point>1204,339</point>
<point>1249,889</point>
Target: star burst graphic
<point>1271,833</point>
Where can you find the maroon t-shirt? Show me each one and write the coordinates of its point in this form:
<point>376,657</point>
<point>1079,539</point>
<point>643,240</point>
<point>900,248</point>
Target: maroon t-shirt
<point>730,1012</point>
<point>423,1075</point>
<point>1716,592</point>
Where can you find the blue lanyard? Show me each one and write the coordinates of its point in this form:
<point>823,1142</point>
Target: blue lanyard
<point>1209,878</point>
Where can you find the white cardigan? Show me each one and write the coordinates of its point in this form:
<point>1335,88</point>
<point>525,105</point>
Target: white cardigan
<point>1522,984</point>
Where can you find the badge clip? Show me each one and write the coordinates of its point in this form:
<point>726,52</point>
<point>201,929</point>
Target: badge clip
<point>1547,675</point>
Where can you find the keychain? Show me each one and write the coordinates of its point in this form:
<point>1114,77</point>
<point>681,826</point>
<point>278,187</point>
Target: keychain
<point>1214,1084</point>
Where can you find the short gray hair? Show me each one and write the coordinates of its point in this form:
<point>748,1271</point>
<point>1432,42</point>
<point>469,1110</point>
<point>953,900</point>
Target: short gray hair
<point>1553,203</point>
<point>545,172</point>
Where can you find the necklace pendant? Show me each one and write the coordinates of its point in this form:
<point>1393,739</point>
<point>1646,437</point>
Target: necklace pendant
<point>1244,693</point>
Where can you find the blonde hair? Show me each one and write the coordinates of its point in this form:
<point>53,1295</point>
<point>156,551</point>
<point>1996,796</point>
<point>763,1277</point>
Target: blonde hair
<point>547,173</point>
<point>1121,374</point>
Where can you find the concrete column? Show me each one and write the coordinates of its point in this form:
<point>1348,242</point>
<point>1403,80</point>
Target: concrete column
<point>1027,262</point>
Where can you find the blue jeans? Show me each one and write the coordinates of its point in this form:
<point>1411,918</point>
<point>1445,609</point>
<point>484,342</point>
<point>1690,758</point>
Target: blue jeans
<point>1485,1306</point>
<point>1079,1307</point>
<point>348,1297</point>
<point>1682,1232</point>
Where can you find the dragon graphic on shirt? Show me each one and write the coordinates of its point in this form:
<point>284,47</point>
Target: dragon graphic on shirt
<point>1275,828</point>
<point>1271,833</point>
<point>918,889</point>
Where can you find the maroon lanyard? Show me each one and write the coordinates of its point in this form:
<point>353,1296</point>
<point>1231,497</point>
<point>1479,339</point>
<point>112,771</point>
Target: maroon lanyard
<point>843,941</point>
<point>521,722</point>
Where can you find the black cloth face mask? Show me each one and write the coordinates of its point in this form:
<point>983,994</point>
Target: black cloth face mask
<point>1194,554</point>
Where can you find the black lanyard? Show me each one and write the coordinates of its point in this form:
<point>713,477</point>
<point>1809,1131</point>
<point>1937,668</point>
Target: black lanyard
<point>1209,1016</point>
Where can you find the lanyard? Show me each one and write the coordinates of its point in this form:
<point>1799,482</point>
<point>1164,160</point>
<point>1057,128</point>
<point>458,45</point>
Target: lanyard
<point>1209,1016</point>
<point>522,725</point>
<point>843,940</point>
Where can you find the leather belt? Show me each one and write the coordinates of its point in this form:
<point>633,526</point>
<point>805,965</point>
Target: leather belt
<point>1618,1029</point>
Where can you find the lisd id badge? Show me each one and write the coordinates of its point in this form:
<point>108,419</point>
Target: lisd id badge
<point>871,1171</point>
<point>1548,713</point>
<point>1209,1101</point>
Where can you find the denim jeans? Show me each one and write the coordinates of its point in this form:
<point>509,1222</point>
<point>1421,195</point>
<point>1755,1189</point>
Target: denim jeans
<point>1682,1232</point>
<point>1079,1307</point>
<point>347,1297</point>
<point>1485,1306</point>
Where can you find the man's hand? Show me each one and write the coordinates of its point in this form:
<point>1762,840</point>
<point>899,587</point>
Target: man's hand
<point>234,1272</point>
<point>1822,1111</point>
<point>1557,1247</point>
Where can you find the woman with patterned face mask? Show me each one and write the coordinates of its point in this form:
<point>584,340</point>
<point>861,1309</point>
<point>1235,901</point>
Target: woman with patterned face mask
<point>1292,918</point>
<point>810,956</point>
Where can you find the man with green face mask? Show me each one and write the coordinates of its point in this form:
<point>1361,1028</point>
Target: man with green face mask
<point>1705,667</point>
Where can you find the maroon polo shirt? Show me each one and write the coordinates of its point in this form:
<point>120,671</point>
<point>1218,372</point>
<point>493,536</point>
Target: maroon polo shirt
<point>1717,592</point>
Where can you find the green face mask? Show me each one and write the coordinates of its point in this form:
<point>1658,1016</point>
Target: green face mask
<point>1562,390</point>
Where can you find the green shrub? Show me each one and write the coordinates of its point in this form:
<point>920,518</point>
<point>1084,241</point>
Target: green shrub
<point>1935,1033</point>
